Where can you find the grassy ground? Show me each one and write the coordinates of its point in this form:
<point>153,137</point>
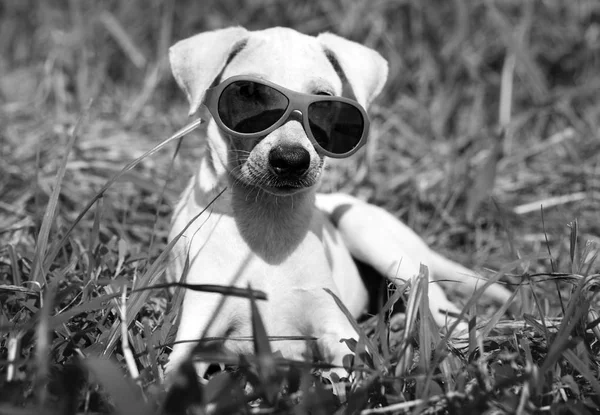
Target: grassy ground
<point>491,112</point>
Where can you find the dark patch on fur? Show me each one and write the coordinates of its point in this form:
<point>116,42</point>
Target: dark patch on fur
<point>346,88</point>
<point>235,50</point>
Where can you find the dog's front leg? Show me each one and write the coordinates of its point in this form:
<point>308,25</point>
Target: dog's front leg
<point>198,321</point>
<point>331,327</point>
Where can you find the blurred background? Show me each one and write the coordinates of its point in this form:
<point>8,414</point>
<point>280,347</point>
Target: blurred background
<point>491,109</point>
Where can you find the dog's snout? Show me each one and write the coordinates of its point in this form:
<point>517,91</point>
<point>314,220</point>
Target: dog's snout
<point>289,161</point>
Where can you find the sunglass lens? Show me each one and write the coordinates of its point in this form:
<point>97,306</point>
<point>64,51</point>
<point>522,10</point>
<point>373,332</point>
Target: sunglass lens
<point>337,126</point>
<point>251,107</point>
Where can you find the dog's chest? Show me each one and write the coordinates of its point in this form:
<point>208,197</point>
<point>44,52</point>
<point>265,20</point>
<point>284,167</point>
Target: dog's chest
<point>218,254</point>
<point>219,250</point>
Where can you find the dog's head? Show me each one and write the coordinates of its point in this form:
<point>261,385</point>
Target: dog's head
<point>284,161</point>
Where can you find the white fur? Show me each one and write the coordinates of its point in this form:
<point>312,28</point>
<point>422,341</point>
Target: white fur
<point>283,243</point>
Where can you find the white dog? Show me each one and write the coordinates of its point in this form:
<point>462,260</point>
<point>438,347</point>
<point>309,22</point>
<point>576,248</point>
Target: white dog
<point>275,97</point>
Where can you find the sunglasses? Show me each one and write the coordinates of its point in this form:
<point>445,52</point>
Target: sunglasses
<point>250,107</point>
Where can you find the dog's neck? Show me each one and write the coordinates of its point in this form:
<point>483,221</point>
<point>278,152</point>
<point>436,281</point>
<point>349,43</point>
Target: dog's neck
<point>272,226</point>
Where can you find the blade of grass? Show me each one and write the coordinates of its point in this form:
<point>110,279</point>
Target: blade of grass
<point>125,346</point>
<point>573,248</point>
<point>90,251</point>
<point>425,329</point>
<point>124,395</point>
<point>576,310</point>
<point>428,336</point>
<point>491,323</point>
<point>14,265</point>
<point>552,263</point>
<point>266,366</point>
<point>588,257</point>
<point>38,269</point>
<point>42,347</point>
<point>382,330</point>
<point>501,215</point>
<point>262,347</point>
<point>225,394</point>
<point>583,369</point>
<point>150,342</point>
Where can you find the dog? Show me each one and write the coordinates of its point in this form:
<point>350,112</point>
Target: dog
<point>282,102</point>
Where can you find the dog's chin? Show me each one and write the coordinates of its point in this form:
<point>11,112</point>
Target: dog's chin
<point>284,190</point>
<point>277,187</point>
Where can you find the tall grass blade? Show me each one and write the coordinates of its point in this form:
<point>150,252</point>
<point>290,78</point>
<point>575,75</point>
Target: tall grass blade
<point>125,396</point>
<point>38,270</point>
<point>381,331</point>
<point>42,347</point>
<point>497,316</point>
<point>583,369</point>
<point>573,247</point>
<point>552,263</point>
<point>94,237</point>
<point>266,366</point>
<point>150,344</point>
<point>225,393</point>
<point>262,347</point>
<point>588,257</point>
<point>576,311</point>
<point>14,266</point>
<point>425,329</point>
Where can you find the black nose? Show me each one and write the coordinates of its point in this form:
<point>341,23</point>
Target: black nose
<point>289,160</point>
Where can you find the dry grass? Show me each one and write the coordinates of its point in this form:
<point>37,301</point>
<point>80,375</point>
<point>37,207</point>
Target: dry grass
<point>491,112</point>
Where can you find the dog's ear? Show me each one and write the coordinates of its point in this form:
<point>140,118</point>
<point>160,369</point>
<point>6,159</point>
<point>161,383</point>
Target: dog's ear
<point>365,69</point>
<point>198,60</point>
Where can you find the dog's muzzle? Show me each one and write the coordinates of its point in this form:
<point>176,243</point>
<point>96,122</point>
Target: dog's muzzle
<point>289,161</point>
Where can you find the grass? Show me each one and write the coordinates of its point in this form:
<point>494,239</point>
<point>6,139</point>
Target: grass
<point>485,141</point>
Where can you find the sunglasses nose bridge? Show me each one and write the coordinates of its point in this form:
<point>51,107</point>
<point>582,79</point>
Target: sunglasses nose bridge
<point>296,115</point>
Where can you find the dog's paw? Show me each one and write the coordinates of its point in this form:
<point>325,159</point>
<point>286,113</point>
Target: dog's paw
<point>339,379</point>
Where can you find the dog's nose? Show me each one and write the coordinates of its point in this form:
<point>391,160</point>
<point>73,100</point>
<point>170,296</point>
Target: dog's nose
<point>289,161</point>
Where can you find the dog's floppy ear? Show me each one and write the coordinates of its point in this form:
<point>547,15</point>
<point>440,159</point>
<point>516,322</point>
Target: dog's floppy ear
<point>196,61</point>
<point>365,69</point>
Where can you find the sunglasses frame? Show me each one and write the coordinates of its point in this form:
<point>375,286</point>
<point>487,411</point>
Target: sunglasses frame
<point>297,101</point>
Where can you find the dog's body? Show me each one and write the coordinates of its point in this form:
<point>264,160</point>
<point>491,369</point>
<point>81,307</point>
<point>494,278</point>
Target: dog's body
<point>276,233</point>
<point>291,258</point>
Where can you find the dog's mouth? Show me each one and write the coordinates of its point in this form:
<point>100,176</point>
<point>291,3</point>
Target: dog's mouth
<point>284,188</point>
<point>275,185</point>
<point>279,192</point>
